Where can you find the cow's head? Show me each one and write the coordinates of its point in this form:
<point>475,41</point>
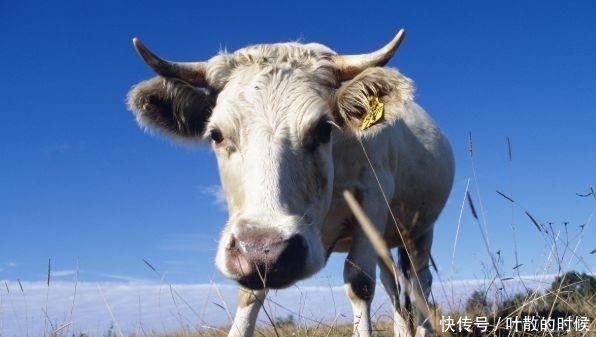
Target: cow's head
<point>271,113</point>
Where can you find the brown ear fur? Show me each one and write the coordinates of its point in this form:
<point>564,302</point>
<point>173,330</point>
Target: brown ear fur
<point>392,88</point>
<point>171,106</point>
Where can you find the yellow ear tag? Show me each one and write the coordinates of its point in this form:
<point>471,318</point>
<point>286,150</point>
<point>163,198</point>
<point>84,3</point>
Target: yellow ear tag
<point>373,114</point>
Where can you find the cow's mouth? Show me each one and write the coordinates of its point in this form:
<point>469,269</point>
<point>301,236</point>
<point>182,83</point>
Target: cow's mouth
<point>264,261</point>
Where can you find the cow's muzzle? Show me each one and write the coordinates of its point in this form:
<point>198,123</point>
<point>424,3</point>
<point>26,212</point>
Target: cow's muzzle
<point>259,259</point>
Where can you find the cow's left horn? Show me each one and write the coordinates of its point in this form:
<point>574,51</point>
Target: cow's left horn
<point>351,65</point>
<point>191,72</point>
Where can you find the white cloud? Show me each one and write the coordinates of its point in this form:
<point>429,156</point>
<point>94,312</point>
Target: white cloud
<point>62,273</point>
<point>93,307</point>
<point>57,148</point>
<point>216,192</point>
<point>8,265</point>
<point>136,306</point>
<point>114,278</point>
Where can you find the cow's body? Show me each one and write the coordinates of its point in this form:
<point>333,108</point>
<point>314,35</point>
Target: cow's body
<point>413,144</point>
<point>287,126</point>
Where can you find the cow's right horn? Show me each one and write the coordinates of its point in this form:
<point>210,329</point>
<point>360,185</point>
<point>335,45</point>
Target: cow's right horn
<point>191,72</point>
<point>351,65</point>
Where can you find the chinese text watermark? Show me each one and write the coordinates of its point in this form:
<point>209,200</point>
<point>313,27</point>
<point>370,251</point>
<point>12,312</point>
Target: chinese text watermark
<point>516,323</point>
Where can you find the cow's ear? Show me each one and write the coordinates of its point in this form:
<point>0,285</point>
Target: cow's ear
<point>171,106</point>
<point>372,100</point>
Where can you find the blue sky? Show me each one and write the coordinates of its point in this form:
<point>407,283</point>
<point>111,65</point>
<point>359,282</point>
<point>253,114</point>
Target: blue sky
<point>81,184</point>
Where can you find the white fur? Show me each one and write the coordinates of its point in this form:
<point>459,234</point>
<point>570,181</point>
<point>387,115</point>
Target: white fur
<point>246,316</point>
<point>269,98</point>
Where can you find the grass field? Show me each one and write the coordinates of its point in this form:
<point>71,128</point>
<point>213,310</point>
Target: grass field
<point>565,307</point>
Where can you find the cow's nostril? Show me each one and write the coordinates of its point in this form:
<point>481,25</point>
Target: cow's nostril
<point>260,258</point>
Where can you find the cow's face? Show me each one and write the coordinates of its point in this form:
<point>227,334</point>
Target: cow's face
<point>270,113</point>
<point>270,130</point>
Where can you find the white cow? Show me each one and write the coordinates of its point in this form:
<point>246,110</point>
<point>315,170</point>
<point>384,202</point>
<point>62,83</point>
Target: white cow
<point>293,126</point>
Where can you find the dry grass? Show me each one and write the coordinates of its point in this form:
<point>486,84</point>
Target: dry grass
<point>519,314</point>
<point>382,329</point>
<point>556,303</point>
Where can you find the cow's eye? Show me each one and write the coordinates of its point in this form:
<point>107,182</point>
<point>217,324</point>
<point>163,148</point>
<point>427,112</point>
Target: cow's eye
<point>321,134</point>
<point>216,136</point>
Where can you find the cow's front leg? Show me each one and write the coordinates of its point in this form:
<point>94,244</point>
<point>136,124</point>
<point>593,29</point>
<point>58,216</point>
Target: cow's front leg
<point>401,328</point>
<point>417,273</point>
<point>359,279</point>
<point>361,263</point>
<point>249,304</point>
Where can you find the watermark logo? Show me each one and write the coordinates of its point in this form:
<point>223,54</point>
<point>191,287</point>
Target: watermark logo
<point>516,324</point>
